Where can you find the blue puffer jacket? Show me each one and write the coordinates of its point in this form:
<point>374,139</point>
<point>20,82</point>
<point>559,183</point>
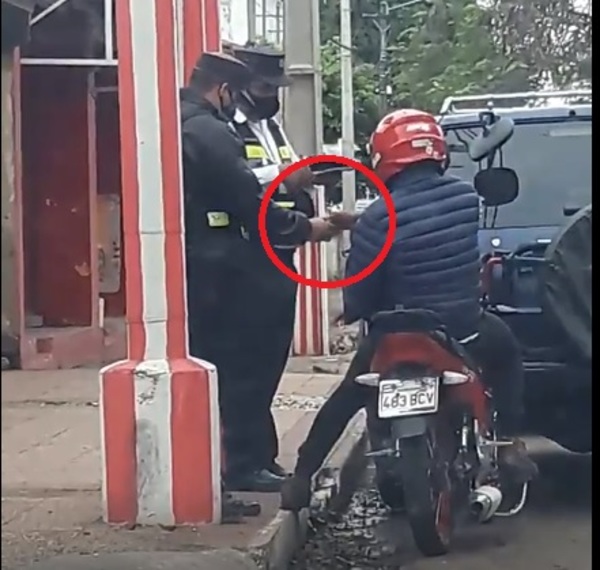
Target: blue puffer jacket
<point>434,261</point>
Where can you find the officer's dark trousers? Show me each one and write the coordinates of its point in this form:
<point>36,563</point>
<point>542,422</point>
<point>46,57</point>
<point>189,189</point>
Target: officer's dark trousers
<point>282,315</point>
<point>273,365</point>
<point>237,324</point>
<point>497,352</point>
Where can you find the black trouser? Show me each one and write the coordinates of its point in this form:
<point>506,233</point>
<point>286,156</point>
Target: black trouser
<point>281,335</point>
<point>275,359</point>
<point>236,323</point>
<point>495,349</point>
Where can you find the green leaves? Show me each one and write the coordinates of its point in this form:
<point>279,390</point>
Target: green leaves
<point>365,97</point>
<point>450,47</point>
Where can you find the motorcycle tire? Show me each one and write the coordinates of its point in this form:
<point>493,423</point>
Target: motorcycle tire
<point>427,495</point>
<point>389,486</point>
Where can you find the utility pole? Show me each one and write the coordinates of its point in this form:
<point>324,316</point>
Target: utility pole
<point>347,105</point>
<point>302,114</point>
<point>382,21</point>
<point>251,11</point>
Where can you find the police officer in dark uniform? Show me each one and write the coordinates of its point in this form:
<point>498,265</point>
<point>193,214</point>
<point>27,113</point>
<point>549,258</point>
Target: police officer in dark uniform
<point>228,272</point>
<point>268,151</point>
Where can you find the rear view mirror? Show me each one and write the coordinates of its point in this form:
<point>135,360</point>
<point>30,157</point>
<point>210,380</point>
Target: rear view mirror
<point>491,139</point>
<point>497,186</point>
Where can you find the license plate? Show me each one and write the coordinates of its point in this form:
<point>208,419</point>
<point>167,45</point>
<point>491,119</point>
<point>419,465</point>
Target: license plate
<point>398,398</point>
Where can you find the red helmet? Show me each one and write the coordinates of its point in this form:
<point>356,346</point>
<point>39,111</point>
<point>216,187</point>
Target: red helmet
<point>403,138</point>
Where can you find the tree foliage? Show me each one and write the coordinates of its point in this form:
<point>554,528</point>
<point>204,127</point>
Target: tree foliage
<point>551,38</point>
<point>365,98</point>
<point>449,47</point>
<point>450,52</point>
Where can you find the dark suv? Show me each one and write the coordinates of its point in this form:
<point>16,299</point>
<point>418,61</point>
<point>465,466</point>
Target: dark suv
<point>550,151</point>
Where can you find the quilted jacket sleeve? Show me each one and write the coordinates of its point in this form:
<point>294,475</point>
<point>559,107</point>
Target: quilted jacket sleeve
<point>362,299</point>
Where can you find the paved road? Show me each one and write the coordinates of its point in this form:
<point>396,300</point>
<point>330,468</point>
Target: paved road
<point>553,533</point>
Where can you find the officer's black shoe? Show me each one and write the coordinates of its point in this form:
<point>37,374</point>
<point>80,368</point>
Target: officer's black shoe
<point>278,470</point>
<point>262,481</point>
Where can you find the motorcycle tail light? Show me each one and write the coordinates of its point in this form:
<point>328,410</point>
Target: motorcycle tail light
<point>454,378</point>
<point>369,379</point>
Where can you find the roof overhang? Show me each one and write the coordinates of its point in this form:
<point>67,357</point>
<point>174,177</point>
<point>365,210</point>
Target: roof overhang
<point>16,15</point>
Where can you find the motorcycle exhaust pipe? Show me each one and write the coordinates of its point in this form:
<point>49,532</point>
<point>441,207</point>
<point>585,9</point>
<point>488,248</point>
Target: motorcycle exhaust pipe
<point>485,502</point>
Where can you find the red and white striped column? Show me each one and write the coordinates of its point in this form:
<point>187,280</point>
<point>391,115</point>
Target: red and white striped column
<point>311,334</point>
<point>159,408</point>
<point>199,31</point>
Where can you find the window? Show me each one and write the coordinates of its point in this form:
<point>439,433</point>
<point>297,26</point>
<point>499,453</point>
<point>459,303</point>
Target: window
<point>553,162</point>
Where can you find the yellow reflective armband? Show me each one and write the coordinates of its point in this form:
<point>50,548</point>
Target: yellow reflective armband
<point>285,153</point>
<point>218,219</point>
<point>255,152</point>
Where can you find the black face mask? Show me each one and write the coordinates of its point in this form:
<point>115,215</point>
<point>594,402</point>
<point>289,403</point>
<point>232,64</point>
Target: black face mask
<point>261,107</point>
<point>227,110</point>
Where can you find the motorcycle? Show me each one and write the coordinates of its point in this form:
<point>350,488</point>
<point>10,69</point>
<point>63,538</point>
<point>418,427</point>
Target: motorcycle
<point>432,428</point>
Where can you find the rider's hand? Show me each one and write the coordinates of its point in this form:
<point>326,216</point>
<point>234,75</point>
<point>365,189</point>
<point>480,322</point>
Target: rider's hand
<point>343,220</point>
<point>322,230</point>
<point>301,179</point>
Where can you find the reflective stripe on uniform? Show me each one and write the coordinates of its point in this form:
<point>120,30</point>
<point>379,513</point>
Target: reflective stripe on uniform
<point>255,152</point>
<point>218,219</point>
<point>286,204</point>
<point>285,153</point>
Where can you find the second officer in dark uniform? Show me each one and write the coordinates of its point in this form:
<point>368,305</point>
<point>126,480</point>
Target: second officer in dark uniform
<point>228,272</point>
<point>268,151</point>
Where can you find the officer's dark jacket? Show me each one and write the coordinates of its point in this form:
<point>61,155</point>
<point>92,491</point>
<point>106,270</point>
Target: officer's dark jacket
<point>222,195</point>
<point>434,260</point>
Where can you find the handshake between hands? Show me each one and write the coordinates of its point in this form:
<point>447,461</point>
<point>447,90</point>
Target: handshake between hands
<point>324,229</point>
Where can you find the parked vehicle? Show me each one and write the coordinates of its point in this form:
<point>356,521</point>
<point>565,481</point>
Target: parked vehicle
<point>550,150</point>
<point>542,233</point>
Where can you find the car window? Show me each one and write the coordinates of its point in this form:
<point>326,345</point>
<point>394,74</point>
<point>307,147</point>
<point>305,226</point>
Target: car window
<point>553,163</point>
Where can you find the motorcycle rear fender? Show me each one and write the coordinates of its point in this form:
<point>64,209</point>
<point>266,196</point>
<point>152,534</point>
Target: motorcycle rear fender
<point>405,428</point>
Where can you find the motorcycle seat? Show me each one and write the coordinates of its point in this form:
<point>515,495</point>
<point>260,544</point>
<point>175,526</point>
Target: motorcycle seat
<point>418,321</point>
<point>406,320</point>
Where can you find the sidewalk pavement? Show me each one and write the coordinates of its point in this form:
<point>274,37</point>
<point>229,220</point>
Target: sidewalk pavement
<point>51,502</point>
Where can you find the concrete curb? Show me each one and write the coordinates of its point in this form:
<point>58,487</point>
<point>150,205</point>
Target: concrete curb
<point>279,541</point>
<point>203,560</point>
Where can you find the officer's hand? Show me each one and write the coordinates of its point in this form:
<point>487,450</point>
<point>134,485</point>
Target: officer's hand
<point>322,230</point>
<point>301,179</point>
<point>343,220</point>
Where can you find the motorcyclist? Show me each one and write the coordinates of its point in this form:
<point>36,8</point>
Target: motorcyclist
<point>433,264</point>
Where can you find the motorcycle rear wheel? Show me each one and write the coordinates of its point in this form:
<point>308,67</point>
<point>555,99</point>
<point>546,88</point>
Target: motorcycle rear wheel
<point>427,495</point>
<point>389,485</point>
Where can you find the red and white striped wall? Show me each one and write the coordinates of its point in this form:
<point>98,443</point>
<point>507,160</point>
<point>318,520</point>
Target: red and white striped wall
<point>159,409</point>
<point>311,334</point>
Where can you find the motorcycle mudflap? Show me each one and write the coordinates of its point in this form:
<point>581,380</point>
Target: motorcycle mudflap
<point>412,426</point>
